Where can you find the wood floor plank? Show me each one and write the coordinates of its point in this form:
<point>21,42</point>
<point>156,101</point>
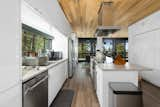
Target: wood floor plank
<point>81,83</point>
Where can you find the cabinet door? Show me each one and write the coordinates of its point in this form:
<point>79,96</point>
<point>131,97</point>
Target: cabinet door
<point>147,24</point>
<point>10,43</point>
<point>53,13</point>
<point>53,87</point>
<point>152,22</point>
<point>57,77</point>
<point>12,97</point>
<point>98,86</point>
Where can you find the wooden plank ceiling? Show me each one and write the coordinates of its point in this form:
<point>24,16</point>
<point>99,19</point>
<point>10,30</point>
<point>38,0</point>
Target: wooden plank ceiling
<point>83,14</point>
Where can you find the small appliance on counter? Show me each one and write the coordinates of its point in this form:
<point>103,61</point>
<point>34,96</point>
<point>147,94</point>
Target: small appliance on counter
<point>55,55</point>
<point>51,54</point>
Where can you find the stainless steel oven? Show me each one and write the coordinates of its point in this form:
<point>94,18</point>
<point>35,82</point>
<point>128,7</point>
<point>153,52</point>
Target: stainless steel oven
<point>35,91</point>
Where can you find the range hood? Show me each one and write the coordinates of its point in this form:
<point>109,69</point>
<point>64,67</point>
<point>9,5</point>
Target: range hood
<point>105,20</point>
<point>106,30</point>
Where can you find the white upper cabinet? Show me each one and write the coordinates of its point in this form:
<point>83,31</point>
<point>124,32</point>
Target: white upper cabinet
<point>144,46</point>
<point>147,24</point>
<point>151,22</point>
<point>10,43</point>
<point>52,12</point>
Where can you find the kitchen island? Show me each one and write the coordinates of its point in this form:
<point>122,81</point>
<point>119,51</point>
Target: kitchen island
<point>107,73</point>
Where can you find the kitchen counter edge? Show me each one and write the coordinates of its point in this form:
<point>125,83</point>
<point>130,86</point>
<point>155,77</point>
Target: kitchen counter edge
<point>29,75</point>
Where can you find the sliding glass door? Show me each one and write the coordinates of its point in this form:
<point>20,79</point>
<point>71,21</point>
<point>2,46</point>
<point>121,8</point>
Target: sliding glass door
<point>86,48</point>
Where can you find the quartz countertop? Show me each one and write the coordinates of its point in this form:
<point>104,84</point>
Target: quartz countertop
<point>28,72</point>
<point>126,67</point>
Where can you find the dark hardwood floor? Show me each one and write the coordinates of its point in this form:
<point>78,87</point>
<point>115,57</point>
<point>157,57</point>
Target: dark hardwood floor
<point>151,94</point>
<point>85,95</point>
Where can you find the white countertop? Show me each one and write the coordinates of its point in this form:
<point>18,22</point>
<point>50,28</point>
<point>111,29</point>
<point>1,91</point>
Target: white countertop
<point>31,72</point>
<point>126,67</point>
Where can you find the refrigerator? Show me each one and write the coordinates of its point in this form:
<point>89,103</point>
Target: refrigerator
<point>72,64</point>
<point>10,56</point>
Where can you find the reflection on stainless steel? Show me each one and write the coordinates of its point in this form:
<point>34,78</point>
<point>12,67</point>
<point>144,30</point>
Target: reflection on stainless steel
<point>35,91</point>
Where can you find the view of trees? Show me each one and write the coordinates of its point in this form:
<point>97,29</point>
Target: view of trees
<point>32,42</point>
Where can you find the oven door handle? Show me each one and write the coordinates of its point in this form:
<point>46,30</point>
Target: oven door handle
<point>31,88</point>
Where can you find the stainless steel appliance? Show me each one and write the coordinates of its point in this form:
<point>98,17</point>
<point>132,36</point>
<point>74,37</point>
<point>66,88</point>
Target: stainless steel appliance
<point>72,62</point>
<point>124,95</point>
<point>35,91</point>
<point>93,73</point>
<point>105,23</point>
<point>55,55</point>
<point>94,76</point>
<point>51,54</point>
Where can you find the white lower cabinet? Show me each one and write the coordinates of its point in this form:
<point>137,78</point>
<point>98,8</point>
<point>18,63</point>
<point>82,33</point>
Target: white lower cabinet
<point>12,97</point>
<point>99,87</point>
<point>105,77</point>
<point>57,76</point>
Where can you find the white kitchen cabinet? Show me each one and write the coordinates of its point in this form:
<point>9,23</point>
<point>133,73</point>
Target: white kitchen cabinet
<point>57,77</point>
<point>10,44</point>
<point>145,25</point>
<point>10,57</point>
<point>11,97</point>
<point>99,86</point>
<point>144,46</point>
<point>151,22</point>
<point>52,13</point>
<point>145,49</point>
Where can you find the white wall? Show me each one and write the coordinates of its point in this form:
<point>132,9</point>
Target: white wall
<point>144,46</point>
<point>60,43</point>
<point>33,18</point>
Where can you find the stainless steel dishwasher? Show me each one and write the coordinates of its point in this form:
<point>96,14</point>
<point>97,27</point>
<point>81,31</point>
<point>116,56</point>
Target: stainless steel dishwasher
<point>35,91</point>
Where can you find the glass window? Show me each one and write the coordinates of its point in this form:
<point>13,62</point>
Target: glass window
<point>87,47</point>
<point>39,43</point>
<point>108,47</point>
<point>27,43</point>
<point>113,47</point>
<point>32,42</point>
